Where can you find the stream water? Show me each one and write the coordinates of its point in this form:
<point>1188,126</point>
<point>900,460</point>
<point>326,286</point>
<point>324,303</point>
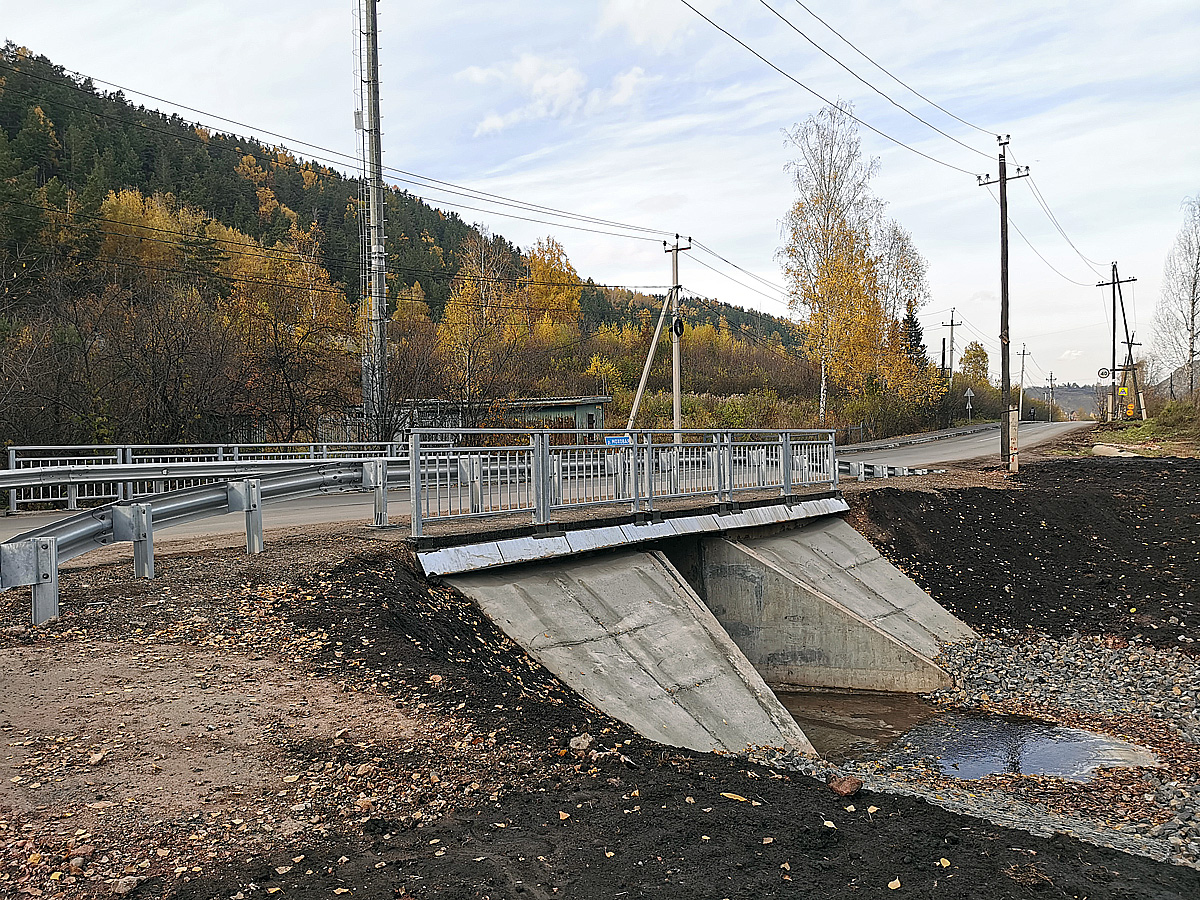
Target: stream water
<point>903,729</point>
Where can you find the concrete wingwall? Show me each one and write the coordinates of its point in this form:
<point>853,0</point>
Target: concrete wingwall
<point>629,634</point>
<point>817,606</point>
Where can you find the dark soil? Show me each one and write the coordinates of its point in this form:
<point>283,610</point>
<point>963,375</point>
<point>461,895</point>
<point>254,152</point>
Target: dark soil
<point>486,798</point>
<point>1096,545</point>
<point>639,820</point>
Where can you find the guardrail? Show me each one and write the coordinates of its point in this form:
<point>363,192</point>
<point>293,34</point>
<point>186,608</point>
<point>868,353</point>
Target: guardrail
<point>32,559</point>
<point>166,458</point>
<point>511,471</point>
<point>506,471</point>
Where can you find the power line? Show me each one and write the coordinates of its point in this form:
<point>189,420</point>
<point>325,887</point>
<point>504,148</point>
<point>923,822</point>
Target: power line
<point>757,278</point>
<point>274,253</point>
<point>300,167</point>
<point>340,158</point>
<point>1035,250</point>
<point>820,97</point>
<point>898,106</point>
<point>888,73</point>
<point>738,283</point>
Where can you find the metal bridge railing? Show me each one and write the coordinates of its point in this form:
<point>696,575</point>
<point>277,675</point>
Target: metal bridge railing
<point>498,471</point>
<point>92,491</point>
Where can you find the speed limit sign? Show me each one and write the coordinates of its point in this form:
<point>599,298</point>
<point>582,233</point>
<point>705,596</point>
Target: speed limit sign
<point>1103,373</point>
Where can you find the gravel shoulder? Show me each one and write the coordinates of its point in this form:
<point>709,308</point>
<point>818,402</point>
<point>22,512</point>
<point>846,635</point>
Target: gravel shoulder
<point>318,721</point>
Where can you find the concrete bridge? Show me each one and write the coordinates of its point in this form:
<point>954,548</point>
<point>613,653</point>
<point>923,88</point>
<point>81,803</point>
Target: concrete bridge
<point>730,574</point>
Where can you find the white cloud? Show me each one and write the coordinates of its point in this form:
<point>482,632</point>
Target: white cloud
<point>551,88</point>
<point>1070,355</point>
<point>648,22</point>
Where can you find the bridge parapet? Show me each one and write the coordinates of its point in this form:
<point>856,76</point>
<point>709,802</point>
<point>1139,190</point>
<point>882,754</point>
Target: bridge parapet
<point>495,472</point>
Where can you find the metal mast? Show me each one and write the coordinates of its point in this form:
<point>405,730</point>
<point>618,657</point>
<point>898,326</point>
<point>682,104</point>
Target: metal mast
<point>374,354</point>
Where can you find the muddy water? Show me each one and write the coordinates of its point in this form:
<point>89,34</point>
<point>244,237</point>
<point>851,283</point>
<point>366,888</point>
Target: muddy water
<point>902,729</point>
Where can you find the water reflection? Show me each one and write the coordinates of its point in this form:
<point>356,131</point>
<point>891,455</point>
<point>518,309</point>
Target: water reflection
<point>900,729</point>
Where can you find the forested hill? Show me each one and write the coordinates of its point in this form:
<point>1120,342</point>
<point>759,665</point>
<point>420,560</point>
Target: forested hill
<point>62,135</point>
<point>163,282</point>
<point>62,138</point>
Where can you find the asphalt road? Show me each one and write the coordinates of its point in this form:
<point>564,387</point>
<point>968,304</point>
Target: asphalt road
<point>959,447</point>
<point>357,507</point>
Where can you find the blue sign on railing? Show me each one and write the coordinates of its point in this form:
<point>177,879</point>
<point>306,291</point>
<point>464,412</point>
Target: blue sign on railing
<point>618,440</point>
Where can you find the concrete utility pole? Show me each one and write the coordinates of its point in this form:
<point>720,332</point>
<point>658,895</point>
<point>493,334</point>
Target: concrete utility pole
<point>1021,396</point>
<point>1051,416</point>
<point>951,324</point>
<point>676,335</point>
<point>1116,283</point>
<point>1005,375</point>
<point>374,355</point>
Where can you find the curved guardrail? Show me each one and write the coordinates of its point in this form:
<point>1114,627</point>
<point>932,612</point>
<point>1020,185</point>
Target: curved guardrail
<point>32,558</point>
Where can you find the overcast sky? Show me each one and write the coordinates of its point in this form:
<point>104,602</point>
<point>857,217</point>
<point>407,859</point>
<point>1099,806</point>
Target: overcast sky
<point>640,111</point>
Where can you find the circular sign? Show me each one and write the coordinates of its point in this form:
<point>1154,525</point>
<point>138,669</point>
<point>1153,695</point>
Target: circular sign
<point>1104,373</point>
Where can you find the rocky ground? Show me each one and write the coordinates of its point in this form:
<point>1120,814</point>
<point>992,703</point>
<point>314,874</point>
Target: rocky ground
<point>320,722</point>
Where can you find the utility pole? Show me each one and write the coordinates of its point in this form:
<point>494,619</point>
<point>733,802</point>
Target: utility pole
<point>1005,375</point>
<point>374,355</point>
<point>951,324</point>
<point>1051,416</point>
<point>676,336</point>
<point>1021,396</point>
<point>1115,284</point>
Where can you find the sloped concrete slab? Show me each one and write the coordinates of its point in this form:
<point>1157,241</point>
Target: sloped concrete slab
<point>817,606</point>
<point>626,632</point>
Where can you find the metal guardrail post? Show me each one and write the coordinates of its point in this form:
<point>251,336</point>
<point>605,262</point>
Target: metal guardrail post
<point>12,493</point>
<point>375,476</point>
<point>33,562</point>
<point>135,523</point>
<point>254,523</point>
<point>729,470</point>
<point>634,452</point>
<point>833,468</point>
<point>785,463</point>
<point>541,477</point>
<point>45,588</point>
<point>414,481</point>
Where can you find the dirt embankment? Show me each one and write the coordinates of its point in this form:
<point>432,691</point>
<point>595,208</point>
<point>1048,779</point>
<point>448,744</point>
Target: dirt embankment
<point>1098,546</point>
<point>318,722</point>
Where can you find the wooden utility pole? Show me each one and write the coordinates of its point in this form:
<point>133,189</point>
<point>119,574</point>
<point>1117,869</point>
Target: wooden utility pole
<point>1006,416</point>
<point>1115,284</point>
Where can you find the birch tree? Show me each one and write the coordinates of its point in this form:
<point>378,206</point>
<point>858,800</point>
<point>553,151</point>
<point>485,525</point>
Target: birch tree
<point>1177,318</point>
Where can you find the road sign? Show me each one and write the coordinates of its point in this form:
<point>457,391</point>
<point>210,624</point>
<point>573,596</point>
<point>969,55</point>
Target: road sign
<point>1123,391</point>
<point>618,440</point>
<point>969,394</point>
<point>1130,409</point>
<point>1104,373</point>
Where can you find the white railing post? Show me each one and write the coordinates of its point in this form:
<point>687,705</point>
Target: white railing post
<point>414,481</point>
<point>833,469</point>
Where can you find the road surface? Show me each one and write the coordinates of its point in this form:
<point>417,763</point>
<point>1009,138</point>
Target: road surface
<point>957,447</point>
